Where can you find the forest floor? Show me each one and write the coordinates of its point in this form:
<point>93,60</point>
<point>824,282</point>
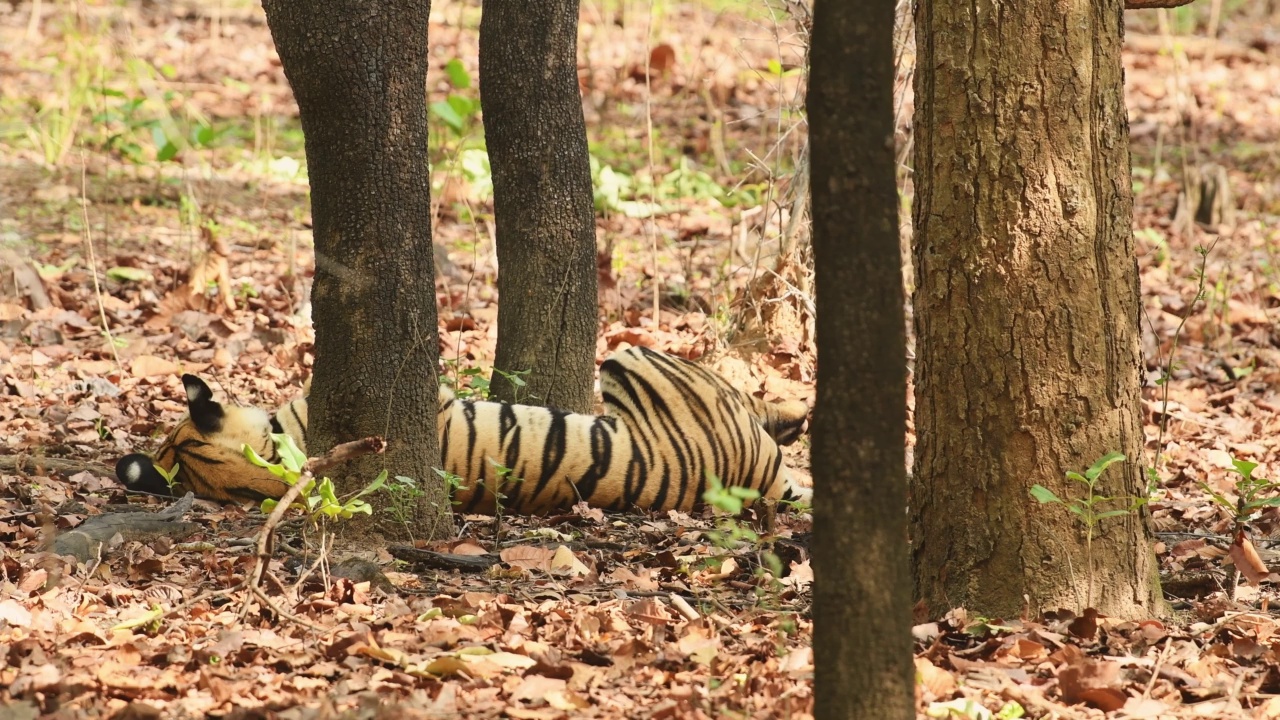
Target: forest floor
<point>142,146</point>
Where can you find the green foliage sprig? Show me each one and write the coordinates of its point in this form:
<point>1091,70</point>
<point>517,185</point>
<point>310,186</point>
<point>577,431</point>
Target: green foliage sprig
<point>1254,493</point>
<point>319,499</point>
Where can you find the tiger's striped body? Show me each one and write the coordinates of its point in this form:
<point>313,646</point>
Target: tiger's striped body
<point>669,425</point>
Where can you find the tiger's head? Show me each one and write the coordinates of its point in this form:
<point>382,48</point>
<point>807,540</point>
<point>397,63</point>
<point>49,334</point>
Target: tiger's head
<point>207,446</point>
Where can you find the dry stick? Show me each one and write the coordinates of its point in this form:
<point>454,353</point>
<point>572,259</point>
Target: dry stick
<point>1155,671</point>
<point>340,454</point>
<point>653,178</point>
<point>93,263</point>
<point>35,463</point>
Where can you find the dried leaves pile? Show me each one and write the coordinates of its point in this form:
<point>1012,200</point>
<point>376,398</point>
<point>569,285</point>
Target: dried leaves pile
<point>203,266</point>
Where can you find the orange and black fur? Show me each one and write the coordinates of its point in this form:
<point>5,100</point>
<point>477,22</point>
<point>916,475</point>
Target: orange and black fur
<point>669,426</point>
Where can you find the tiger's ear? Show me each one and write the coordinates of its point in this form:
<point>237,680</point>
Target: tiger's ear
<point>205,413</point>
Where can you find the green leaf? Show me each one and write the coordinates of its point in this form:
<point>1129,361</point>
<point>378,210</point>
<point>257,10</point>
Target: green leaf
<point>1010,711</point>
<point>1044,495</point>
<point>268,505</point>
<point>128,274</point>
<point>458,76</point>
<point>252,456</point>
<point>290,456</point>
<point>374,486</point>
<point>168,152</point>
<point>1073,475</point>
<point>327,491</point>
<point>464,106</point>
<point>204,135</point>
<point>1217,497</point>
<point>1266,502</point>
<point>357,506</point>
<point>775,68</point>
<point>277,470</point>
<point>1244,467</point>
<point>1103,463</point>
<point>445,112</point>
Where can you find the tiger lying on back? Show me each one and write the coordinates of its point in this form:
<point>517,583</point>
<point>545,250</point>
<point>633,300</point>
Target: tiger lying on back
<point>668,425</point>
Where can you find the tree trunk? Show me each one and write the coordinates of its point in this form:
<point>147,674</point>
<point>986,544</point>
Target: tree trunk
<point>1026,311</point>
<point>546,232</point>
<point>862,600</point>
<point>358,70</point>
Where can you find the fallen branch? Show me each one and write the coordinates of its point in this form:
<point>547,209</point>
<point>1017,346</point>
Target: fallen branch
<point>39,465</point>
<point>1193,47</point>
<point>84,541</point>
<point>444,561</point>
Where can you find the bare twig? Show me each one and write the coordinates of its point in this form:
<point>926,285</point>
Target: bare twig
<point>339,454</point>
<point>683,607</point>
<point>1155,671</point>
<point>93,264</point>
<point>38,464</point>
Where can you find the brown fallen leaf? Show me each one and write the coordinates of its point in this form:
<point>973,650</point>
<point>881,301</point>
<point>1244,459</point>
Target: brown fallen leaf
<point>1083,680</point>
<point>939,683</point>
<point>1245,557</point>
<point>147,366</point>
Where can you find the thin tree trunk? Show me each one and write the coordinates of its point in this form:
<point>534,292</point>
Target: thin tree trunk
<point>1026,311</point>
<point>546,237</point>
<point>358,70</point>
<point>861,605</point>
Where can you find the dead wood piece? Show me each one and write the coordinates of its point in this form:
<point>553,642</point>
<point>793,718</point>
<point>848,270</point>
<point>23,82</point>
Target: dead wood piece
<point>37,464</point>
<point>85,541</point>
<point>1193,47</point>
<point>444,561</point>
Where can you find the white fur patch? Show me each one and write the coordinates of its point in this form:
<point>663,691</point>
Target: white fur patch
<point>133,473</point>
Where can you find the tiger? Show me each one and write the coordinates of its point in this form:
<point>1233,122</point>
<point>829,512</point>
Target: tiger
<point>669,428</point>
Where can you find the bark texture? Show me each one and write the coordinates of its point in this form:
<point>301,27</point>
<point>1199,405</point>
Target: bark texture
<point>862,585</point>
<point>1026,309</point>
<point>358,70</point>
<point>543,203</point>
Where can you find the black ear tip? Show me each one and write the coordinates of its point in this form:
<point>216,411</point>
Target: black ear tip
<point>197,390</point>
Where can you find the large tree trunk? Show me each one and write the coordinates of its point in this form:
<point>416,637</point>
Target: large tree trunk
<point>1027,309</point>
<point>862,600</point>
<point>546,232</point>
<point>358,70</point>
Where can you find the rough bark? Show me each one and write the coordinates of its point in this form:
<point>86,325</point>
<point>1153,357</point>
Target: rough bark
<point>543,205</point>
<point>1026,310</point>
<point>358,70</point>
<point>862,589</point>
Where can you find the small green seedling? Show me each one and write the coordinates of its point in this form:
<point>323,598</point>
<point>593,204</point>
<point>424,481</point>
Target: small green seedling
<point>319,499</point>
<point>170,476</point>
<point>1255,493</point>
<point>1088,508</point>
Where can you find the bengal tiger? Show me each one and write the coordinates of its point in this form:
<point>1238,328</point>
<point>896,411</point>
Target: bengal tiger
<point>668,426</point>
